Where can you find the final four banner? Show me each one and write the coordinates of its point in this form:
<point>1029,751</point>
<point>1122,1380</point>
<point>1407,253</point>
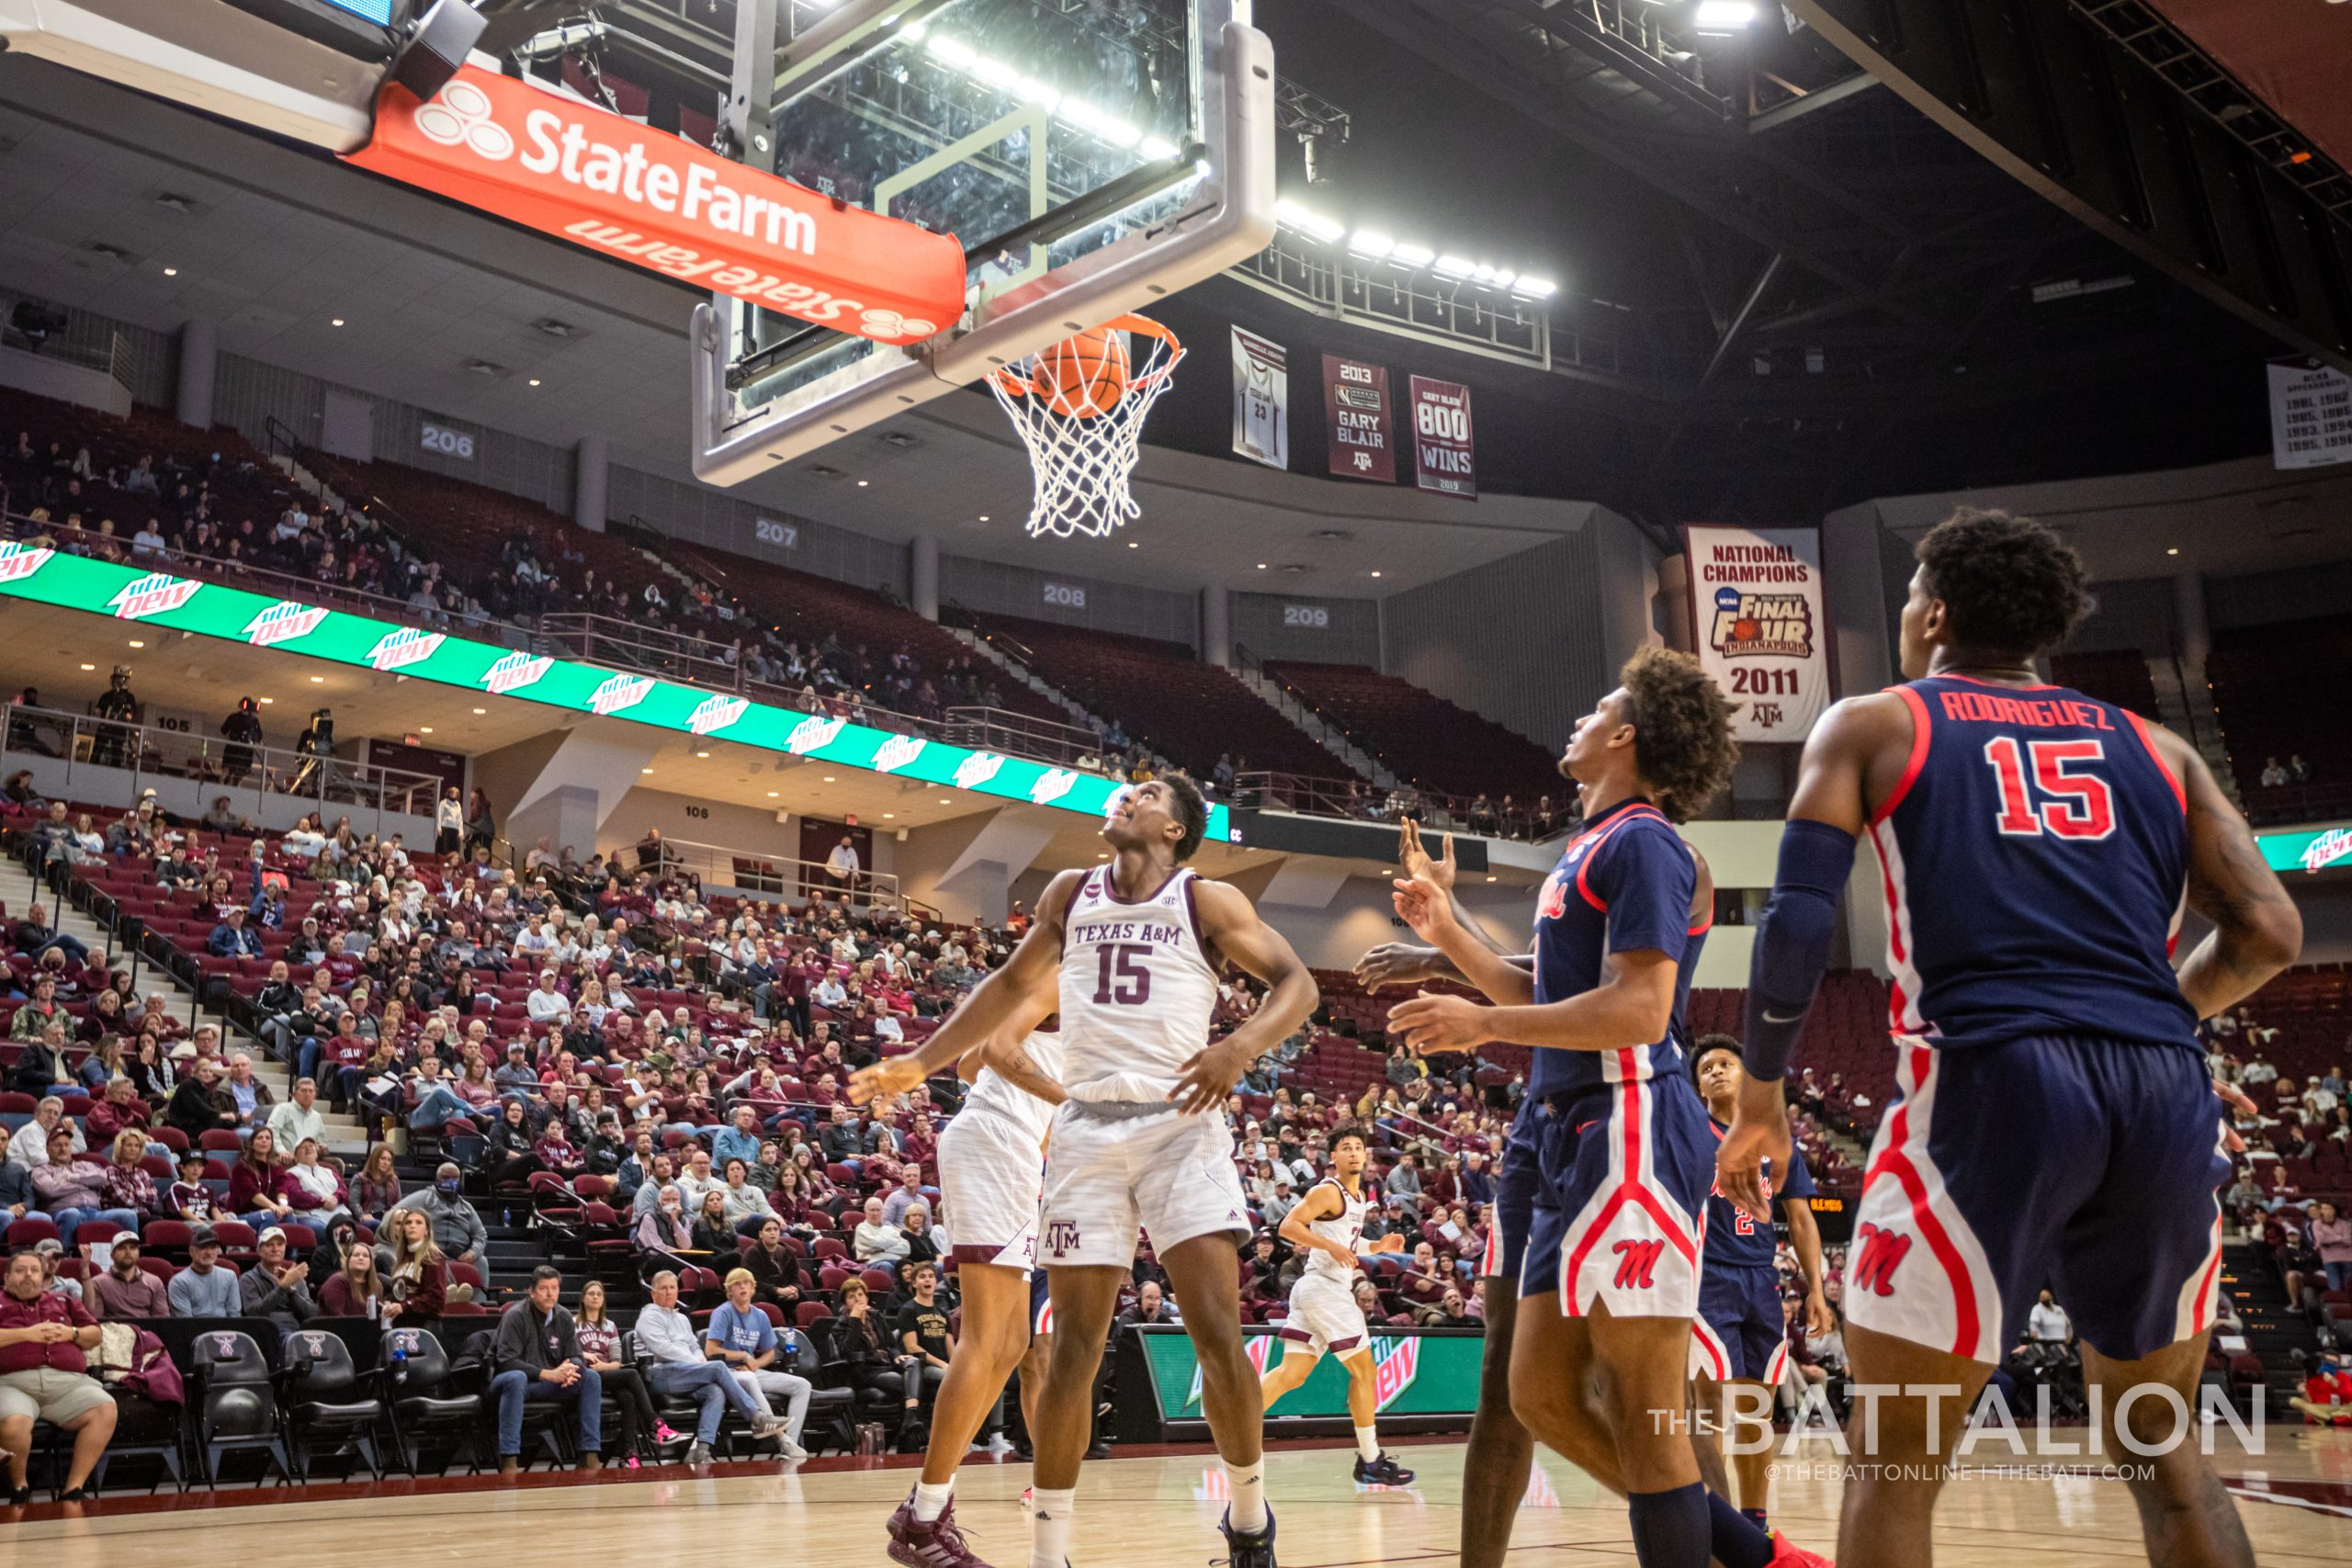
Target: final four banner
<point>1261,400</point>
<point>1756,616</point>
<point>42,575</point>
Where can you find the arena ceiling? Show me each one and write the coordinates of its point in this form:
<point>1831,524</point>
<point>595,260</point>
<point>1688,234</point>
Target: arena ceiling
<point>1843,299</point>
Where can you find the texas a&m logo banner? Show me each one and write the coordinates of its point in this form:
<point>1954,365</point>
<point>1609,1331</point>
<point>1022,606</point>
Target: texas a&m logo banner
<point>1757,617</point>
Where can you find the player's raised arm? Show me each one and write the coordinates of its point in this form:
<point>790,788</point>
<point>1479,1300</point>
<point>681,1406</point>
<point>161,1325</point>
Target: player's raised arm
<point>1403,964</point>
<point>2258,930</point>
<point>1846,762</point>
<point>1230,922</point>
<point>1028,976</point>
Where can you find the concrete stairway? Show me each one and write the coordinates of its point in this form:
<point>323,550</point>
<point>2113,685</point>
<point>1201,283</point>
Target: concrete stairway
<point>1356,758</point>
<point>345,1137</point>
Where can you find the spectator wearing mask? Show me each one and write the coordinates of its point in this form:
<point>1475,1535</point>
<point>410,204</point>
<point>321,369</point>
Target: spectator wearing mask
<point>458,1229</point>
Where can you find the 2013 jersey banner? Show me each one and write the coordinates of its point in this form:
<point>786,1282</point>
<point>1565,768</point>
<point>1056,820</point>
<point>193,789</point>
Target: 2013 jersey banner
<point>1756,616</point>
<point>39,574</point>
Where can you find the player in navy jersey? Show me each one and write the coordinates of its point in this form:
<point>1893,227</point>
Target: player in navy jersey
<point>1740,1343</point>
<point>2055,1120</point>
<point>1609,1278</point>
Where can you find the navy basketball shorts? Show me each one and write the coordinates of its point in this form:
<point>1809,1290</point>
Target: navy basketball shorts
<point>1739,1333</point>
<point>1621,1208</point>
<point>1041,1306</point>
<point>1509,1216</point>
<point>2090,1165</point>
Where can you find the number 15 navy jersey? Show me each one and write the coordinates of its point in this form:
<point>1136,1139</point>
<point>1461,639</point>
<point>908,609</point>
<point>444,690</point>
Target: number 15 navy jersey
<point>2034,859</point>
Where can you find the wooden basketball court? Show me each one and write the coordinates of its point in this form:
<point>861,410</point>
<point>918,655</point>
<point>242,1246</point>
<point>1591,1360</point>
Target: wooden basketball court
<point>1154,1507</point>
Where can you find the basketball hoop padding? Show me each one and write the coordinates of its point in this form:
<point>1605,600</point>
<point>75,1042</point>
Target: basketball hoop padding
<point>1083,460</point>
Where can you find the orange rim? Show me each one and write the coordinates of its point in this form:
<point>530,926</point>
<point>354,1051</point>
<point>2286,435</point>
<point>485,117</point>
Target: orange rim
<point>1029,386</point>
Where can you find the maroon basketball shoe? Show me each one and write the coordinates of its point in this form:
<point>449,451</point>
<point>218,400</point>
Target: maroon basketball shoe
<point>938,1544</point>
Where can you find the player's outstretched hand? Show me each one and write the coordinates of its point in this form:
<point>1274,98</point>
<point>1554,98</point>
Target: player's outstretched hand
<point>1739,1161</point>
<point>1433,1022</point>
<point>2235,1099</point>
<point>1416,862</point>
<point>894,1075</point>
<point>1395,963</point>
<point>1424,906</point>
<point>1819,1319</point>
<point>1207,1076</point>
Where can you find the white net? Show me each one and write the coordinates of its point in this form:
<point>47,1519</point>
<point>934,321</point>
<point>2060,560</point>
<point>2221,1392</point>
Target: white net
<point>1084,461</point>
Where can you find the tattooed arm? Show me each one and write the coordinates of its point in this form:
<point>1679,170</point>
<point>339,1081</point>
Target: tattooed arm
<point>2256,929</point>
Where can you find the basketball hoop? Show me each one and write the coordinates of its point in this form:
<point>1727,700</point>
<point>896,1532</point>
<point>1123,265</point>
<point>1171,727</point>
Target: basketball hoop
<point>1080,406</point>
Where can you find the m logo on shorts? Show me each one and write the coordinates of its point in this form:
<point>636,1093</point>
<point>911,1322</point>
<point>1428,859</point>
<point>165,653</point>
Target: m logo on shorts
<point>1878,1254</point>
<point>1637,1264</point>
<point>1061,1235</point>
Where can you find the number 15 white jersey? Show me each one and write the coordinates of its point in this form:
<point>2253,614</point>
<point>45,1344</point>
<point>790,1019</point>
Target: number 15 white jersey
<point>1138,989</point>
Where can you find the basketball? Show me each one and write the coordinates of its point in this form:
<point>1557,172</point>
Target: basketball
<point>1084,376</point>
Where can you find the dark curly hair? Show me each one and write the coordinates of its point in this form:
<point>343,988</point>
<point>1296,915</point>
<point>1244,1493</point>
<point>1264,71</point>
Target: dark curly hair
<point>1683,742</point>
<point>2011,586</point>
<point>1707,1045</point>
<point>1191,811</point>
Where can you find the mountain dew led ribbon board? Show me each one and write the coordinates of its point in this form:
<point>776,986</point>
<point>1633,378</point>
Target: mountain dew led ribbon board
<point>1430,1375</point>
<point>208,609</point>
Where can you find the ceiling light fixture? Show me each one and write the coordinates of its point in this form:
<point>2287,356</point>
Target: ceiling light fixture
<point>424,729</point>
<point>482,710</point>
<point>702,754</point>
<point>321,681</point>
<point>336,322</point>
<point>89,666</point>
<point>827,779</point>
<point>136,643</point>
<point>267,702</point>
<point>2173,551</point>
<point>862,484</point>
<point>171,272</point>
<point>771,794</point>
<point>1723,18</point>
<point>1375,574</point>
<point>535,380</point>
<point>1314,225</point>
<point>1370,244</point>
<point>645,770</point>
<point>1412,255</point>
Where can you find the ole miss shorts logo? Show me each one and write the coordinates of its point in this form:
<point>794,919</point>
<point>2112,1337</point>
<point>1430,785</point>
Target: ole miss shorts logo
<point>459,117</point>
<point>1637,1264</point>
<point>1877,1254</point>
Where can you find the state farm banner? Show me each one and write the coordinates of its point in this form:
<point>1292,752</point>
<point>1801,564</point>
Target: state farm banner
<point>1261,400</point>
<point>1355,400</point>
<point>2310,414</point>
<point>1444,458</point>
<point>1757,614</point>
<point>574,170</point>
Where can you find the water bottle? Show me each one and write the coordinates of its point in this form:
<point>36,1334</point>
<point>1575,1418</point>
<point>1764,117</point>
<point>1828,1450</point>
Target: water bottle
<point>400,1361</point>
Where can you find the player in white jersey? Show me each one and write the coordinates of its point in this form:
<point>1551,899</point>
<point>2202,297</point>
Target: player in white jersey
<point>991,1172</point>
<point>1126,952</point>
<point>1324,1228</point>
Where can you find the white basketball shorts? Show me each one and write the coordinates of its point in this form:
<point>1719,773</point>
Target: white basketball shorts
<point>990,1177</point>
<point>1169,1174</point>
<point>1324,1316</point>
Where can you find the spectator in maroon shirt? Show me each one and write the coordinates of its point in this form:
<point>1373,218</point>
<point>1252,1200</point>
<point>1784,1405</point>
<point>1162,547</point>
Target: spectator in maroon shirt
<point>44,1376</point>
<point>127,1292</point>
<point>119,1111</point>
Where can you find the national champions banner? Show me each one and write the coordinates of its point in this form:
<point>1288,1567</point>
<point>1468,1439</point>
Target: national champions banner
<point>1363,437</point>
<point>1756,614</point>
<point>2310,414</point>
<point>1261,400</point>
<point>1445,456</point>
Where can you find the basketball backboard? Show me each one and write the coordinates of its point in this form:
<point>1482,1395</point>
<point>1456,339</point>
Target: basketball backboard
<point>1090,155</point>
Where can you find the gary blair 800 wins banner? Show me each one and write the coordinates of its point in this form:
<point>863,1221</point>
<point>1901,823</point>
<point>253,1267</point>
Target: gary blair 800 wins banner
<point>1756,614</point>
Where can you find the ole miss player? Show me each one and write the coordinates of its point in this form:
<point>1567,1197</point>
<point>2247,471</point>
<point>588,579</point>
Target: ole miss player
<point>1741,1340</point>
<point>1609,1280</point>
<point>2055,1120</point>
